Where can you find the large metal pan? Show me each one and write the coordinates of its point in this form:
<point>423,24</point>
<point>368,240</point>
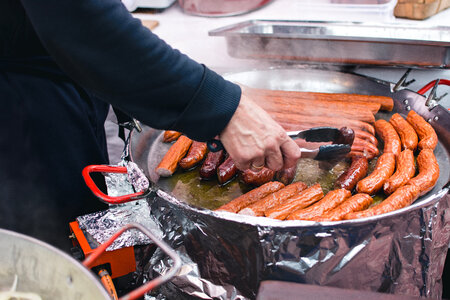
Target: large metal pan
<point>227,255</point>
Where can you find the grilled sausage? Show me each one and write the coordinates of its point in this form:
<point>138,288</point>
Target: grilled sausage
<point>286,176</point>
<point>272,200</point>
<point>356,172</point>
<point>195,155</point>
<point>327,203</point>
<point>170,136</point>
<point>251,197</point>
<point>347,136</point>
<point>426,133</point>
<point>211,163</point>
<point>366,154</point>
<point>390,137</point>
<point>299,201</point>
<point>428,171</point>
<point>366,136</point>
<point>383,170</point>
<point>176,152</point>
<point>405,170</point>
<point>408,136</point>
<point>355,203</point>
<point>365,147</point>
<point>402,197</point>
<point>258,178</point>
<point>226,171</point>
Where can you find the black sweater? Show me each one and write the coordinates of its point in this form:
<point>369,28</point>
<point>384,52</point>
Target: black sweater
<point>103,48</point>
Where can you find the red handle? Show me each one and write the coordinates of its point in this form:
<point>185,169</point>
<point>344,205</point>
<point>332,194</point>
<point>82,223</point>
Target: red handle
<point>97,192</point>
<point>430,84</point>
<point>139,292</point>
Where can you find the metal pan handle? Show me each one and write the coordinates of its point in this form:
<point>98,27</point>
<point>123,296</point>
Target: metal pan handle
<point>97,192</point>
<point>142,290</point>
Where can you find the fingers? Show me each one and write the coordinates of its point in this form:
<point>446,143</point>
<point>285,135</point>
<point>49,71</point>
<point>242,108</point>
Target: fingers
<point>291,153</point>
<point>257,164</point>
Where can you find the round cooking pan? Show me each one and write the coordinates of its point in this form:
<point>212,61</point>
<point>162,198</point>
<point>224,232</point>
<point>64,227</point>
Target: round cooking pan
<point>400,252</point>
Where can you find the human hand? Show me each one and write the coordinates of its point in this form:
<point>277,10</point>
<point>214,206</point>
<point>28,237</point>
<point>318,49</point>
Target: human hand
<point>253,139</point>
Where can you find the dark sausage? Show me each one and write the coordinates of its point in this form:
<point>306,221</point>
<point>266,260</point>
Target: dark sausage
<point>347,135</point>
<point>170,136</point>
<point>259,207</point>
<point>330,201</point>
<point>383,170</point>
<point>405,170</point>
<point>211,163</point>
<point>286,176</point>
<point>251,177</point>
<point>195,155</point>
<point>357,202</point>
<point>408,136</point>
<point>402,197</point>
<point>356,172</point>
<point>428,171</point>
<point>426,133</point>
<point>251,197</point>
<point>226,171</point>
<point>390,137</point>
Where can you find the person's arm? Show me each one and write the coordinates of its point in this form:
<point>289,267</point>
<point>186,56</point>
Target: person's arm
<point>102,47</point>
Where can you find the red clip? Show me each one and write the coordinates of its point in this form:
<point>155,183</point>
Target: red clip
<point>97,192</point>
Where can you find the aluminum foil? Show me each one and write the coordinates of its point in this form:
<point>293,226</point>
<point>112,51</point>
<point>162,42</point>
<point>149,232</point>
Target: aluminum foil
<point>227,257</point>
<point>100,226</point>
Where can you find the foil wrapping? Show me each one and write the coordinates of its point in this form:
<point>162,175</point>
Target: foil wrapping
<point>226,256</point>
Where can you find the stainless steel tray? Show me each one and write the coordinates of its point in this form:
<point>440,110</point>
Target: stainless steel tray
<point>342,43</point>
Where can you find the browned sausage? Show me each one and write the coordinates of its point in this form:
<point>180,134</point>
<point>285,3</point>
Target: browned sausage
<point>330,201</point>
<point>365,147</point>
<point>405,170</point>
<point>211,163</point>
<point>272,200</point>
<point>347,136</point>
<point>426,133</point>
<point>195,155</point>
<point>402,197</point>
<point>383,170</point>
<point>408,136</point>
<point>170,136</point>
<point>251,197</point>
<point>251,177</point>
<point>299,201</point>
<point>390,137</point>
<point>356,172</point>
<point>428,171</point>
<point>365,154</point>
<point>176,152</point>
<point>357,202</point>
<point>226,171</point>
<point>286,176</point>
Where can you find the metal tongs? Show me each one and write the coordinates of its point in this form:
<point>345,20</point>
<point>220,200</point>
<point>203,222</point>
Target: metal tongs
<point>342,140</point>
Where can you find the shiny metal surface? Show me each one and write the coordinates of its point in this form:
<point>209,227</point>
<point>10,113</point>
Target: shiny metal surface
<point>44,270</point>
<point>226,255</point>
<point>345,43</point>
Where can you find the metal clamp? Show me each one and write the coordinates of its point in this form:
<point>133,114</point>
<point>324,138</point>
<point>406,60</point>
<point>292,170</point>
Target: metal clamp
<point>141,291</point>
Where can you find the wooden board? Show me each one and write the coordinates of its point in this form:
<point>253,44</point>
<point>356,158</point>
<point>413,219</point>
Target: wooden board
<point>419,9</point>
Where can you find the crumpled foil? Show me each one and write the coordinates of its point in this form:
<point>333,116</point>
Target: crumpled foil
<point>226,258</point>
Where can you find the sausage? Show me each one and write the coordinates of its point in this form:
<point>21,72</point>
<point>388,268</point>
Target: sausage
<point>427,136</point>
<point>251,197</point>
<point>355,203</point>
<point>286,176</point>
<point>402,197</point>
<point>258,178</point>
<point>428,171</point>
<point>327,203</point>
<point>299,201</point>
<point>387,103</point>
<point>176,152</point>
<point>226,171</point>
<point>195,155</point>
<point>211,163</point>
<point>366,136</point>
<point>365,147</point>
<point>383,170</point>
<point>357,171</point>
<point>405,170</point>
<point>406,132</point>
<point>279,114</point>
<point>272,200</point>
<point>170,136</point>
<point>390,137</point>
<point>290,122</point>
<point>365,154</point>
<point>347,136</point>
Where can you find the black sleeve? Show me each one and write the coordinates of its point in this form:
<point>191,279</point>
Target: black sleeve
<point>102,47</point>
